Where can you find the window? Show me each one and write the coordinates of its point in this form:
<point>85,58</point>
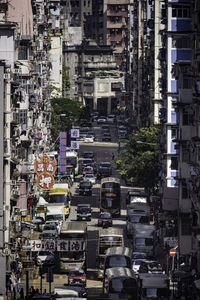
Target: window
<point>185,224</point>
<point>187,118</point>
<point>23,52</point>
<point>181,11</point>
<point>22,116</point>
<point>174,163</point>
<point>185,154</point>
<point>186,83</point>
<point>174,133</point>
<point>184,190</point>
<point>183,42</point>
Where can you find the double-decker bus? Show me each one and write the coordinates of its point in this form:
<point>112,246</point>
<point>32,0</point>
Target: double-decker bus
<point>110,196</point>
<point>108,237</point>
<point>71,245</point>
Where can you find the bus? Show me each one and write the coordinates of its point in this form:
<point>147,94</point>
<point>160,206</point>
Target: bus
<point>72,245</point>
<point>72,160</point>
<point>108,237</point>
<point>110,198</point>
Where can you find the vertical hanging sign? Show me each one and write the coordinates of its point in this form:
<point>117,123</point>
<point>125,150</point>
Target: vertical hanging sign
<point>63,145</point>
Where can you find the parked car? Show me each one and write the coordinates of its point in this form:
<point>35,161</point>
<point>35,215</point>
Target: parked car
<point>85,188</point>
<point>106,137</point>
<point>88,170</point>
<point>90,177</point>
<point>105,219</point>
<point>83,212</point>
<point>88,154</point>
<point>101,120</point>
<point>89,139</point>
<point>76,276</point>
<point>50,226</point>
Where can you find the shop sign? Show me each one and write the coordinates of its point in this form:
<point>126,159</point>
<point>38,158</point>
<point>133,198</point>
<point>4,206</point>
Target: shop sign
<point>28,265</point>
<point>43,245</point>
<point>45,169</point>
<point>74,145</point>
<point>74,133</point>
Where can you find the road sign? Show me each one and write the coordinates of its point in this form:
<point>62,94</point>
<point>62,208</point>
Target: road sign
<point>172,252</point>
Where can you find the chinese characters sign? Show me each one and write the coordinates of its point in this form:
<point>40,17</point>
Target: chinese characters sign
<point>43,245</point>
<point>62,245</point>
<point>45,169</point>
<point>74,133</point>
<point>63,145</point>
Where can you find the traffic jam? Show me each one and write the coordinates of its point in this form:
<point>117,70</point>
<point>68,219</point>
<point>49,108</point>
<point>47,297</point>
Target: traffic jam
<point>94,235</point>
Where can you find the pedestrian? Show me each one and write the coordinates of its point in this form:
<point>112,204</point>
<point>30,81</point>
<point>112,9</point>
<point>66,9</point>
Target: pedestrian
<point>113,156</point>
<point>21,294</point>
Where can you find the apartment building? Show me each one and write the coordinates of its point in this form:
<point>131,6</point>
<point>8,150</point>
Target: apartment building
<point>30,74</point>
<point>98,81</point>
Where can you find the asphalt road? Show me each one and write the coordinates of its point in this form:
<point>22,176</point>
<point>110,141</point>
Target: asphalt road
<point>103,152</point>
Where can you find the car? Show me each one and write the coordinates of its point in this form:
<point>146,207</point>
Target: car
<point>48,234</point>
<point>106,164</point>
<point>50,226</point>
<point>94,115</point>
<point>101,120</point>
<point>105,219</point>
<point>90,177</point>
<point>151,266</point>
<point>111,119</point>
<point>105,128</point>
<point>85,188</point>
<point>76,276</point>
<point>89,139</point>
<point>88,154</point>
<point>57,225</point>
<point>88,170</point>
<point>72,291</point>
<point>45,258</point>
<point>139,255</point>
<point>106,137</point>
<point>83,212</point>
<point>136,265</point>
<point>84,129</point>
<point>87,162</point>
<point>134,193</point>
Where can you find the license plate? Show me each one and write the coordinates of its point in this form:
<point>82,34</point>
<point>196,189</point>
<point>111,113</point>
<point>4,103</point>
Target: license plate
<point>83,218</point>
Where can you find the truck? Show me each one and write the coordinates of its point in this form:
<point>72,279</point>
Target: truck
<point>72,160</point>
<point>153,286</point>
<point>143,238</point>
<point>56,204</point>
<point>136,214</point>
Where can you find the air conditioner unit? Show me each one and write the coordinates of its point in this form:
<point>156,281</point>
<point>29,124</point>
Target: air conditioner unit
<point>6,76</point>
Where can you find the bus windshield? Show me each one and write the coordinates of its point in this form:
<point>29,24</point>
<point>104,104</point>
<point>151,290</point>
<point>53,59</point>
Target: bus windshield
<point>58,198</point>
<point>70,236</point>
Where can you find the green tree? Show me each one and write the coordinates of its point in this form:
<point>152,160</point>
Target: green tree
<point>140,160</point>
<point>65,80</point>
<point>63,114</point>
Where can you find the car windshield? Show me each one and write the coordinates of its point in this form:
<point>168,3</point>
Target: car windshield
<point>105,215</point>
<point>50,226</point>
<point>105,165</point>
<point>138,219</point>
<point>84,209</point>
<point>122,285</point>
<point>85,184</point>
<point>89,176</point>
<point>76,273</point>
<point>137,262</point>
